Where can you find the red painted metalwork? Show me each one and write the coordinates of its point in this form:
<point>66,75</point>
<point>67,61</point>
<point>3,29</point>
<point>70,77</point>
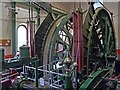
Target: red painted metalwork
<point>79,39</point>
<point>82,51</point>
<point>31,35</point>
<point>80,42</point>
<point>27,34</point>
<point>34,41</point>
<point>78,45</point>
<point>74,53</point>
<point>118,52</point>
<point>9,76</point>
<point>7,56</point>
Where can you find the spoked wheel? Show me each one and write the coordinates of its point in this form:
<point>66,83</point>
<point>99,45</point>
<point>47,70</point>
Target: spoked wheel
<point>101,50</point>
<point>58,40</point>
<point>98,36</point>
<point>101,44</point>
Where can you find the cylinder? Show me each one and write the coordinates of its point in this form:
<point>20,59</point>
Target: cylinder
<point>1,54</point>
<point>24,51</point>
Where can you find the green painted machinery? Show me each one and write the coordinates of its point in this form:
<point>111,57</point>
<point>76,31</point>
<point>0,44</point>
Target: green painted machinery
<point>99,45</point>
<point>2,54</point>
<point>24,52</point>
<point>54,38</point>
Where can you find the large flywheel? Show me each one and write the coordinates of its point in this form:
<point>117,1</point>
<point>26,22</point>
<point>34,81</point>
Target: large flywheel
<point>101,44</point>
<point>98,37</point>
<point>59,39</point>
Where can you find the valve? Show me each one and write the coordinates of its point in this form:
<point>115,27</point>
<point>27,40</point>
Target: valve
<point>70,67</point>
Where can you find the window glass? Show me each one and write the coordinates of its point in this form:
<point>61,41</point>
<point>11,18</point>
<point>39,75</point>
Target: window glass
<point>22,36</point>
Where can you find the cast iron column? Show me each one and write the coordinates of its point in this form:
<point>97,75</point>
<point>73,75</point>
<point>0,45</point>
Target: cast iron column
<point>13,28</point>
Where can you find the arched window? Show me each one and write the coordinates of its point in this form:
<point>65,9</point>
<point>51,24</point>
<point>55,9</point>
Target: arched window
<point>22,36</point>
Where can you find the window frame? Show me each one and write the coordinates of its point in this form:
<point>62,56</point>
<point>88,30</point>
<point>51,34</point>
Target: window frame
<point>25,26</point>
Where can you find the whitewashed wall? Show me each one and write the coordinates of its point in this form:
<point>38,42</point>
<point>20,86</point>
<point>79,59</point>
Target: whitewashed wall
<point>5,24</point>
<point>5,17</point>
<point>113,7</point>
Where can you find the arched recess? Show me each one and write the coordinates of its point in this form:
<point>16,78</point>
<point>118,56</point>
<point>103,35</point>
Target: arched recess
<point>22,35</point>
